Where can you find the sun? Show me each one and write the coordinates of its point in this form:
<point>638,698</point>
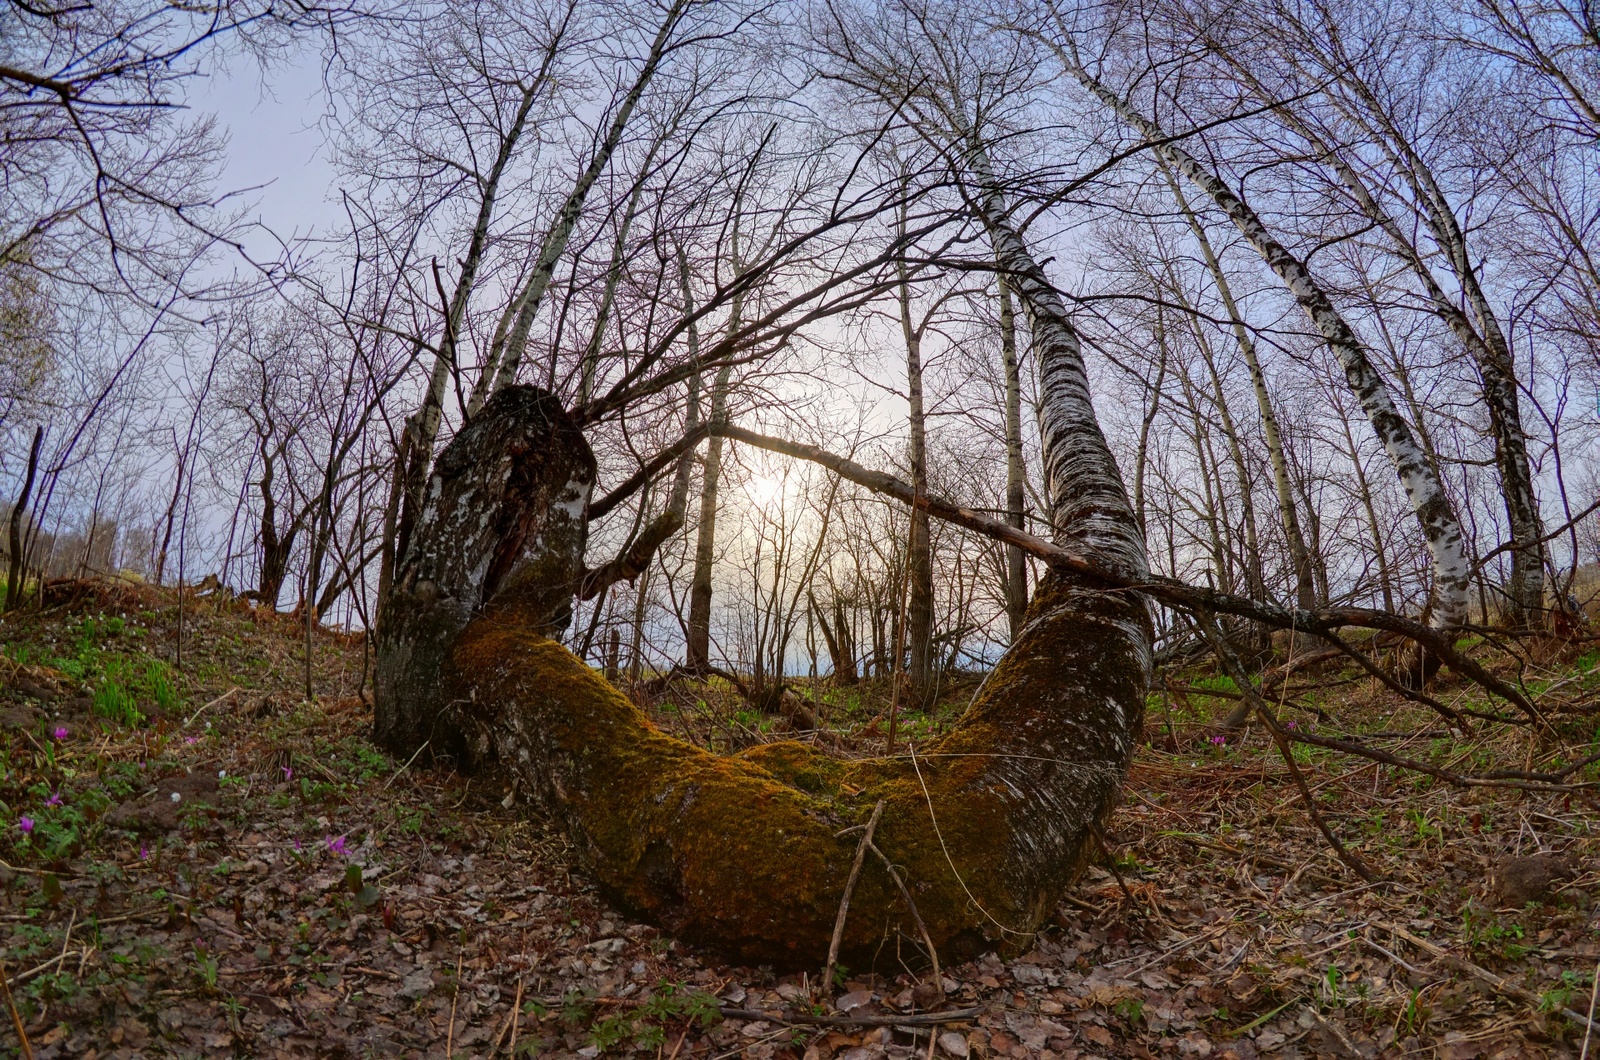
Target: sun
<point>766,490</point>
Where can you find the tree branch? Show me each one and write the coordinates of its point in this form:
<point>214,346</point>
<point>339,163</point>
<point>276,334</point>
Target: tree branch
<point>1169,591</point>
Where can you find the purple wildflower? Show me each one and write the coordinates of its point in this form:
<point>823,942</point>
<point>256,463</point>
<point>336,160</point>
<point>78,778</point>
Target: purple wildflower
<point>336,845</point>
<point>26,824</point>
<point>1288,725</point>
<point>54,799</point>
<point>1219,741</point>
<point>191,740</point>
<point>144,852</point>
<point>288,773</point>
<point>61,732</point>
<point>296,844</point>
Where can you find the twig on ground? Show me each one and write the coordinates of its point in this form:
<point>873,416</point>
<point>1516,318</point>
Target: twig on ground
<point>455,999</point>
<point>23,1044</point>
<point>1498,982</point>
<point>920,1019</point>
<point>1231,663</point>
<point>849,889</point>
<point>1204,936</point>
<point>1111,862</point>
<point>905,892</point>
<point>1396,958</point>
<point>1521,780</point>
<point>1335,1030</point>
<point>510,1016</point>
<point>60,874</point>
<point>1594,993</point>
<point>405,767</point>
<point>21,977</point>
<point>208,706</point>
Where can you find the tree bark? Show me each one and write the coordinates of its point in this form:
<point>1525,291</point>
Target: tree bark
<point>699,638</point>
<point>1481,334</point>
<point>1423,488</point>
<point>503,364</point>
<point>1364,488</point>
<point>741,852</point>
<point>919,559</point>
<point>520,474</point>
<point>1016,473</point>
<point>841,653</point>
<point>16,574</point>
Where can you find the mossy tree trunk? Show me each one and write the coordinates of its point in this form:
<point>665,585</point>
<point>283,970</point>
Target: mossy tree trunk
<point>741,852</point>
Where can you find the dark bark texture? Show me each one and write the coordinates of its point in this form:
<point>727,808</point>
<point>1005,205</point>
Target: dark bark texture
<point>503,516</point>
<point>17,573</point>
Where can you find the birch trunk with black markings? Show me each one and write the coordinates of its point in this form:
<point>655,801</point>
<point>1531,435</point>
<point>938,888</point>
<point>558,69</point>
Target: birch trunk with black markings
<point>1424,491</point>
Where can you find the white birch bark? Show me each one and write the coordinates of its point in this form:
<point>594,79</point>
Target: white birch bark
<point>1089,506</point>
<point>1484,340</point>
<point>423,425</point>
<point>1016,472</point>
<point>566,219</point>
<point>1429,503</point>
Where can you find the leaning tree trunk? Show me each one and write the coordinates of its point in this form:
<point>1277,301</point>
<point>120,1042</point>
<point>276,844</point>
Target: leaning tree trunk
<point>1299,555</point>
<point>1430,504</point>
<point>1016,583</point>
<point>742,852</point>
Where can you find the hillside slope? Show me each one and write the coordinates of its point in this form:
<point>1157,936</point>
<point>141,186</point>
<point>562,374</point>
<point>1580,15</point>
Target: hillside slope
<point>202,862</point>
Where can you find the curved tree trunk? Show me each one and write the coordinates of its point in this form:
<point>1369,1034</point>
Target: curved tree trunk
<point>503,518</point>
<point>741,852</point>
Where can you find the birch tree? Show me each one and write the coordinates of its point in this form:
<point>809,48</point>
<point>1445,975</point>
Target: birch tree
<point>1430,504</point>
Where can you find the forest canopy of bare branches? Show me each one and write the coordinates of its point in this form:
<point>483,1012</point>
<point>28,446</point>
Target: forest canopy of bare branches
<point>747,213</point>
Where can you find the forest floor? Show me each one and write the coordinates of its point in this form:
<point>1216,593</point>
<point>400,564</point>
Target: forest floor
<point>202,862</point>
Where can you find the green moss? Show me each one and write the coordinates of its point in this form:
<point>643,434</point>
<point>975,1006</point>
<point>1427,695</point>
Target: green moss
<point>741,852</point>
<point>798,765</point>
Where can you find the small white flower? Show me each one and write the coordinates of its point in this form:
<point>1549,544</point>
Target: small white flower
<point>222,773</point>
<point>177,797</point>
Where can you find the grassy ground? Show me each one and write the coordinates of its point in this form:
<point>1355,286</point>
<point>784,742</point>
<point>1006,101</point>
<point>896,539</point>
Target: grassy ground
<point>200,861</point>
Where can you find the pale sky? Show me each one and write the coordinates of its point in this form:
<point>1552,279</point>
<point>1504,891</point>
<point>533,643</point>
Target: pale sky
<point>274,145</point>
